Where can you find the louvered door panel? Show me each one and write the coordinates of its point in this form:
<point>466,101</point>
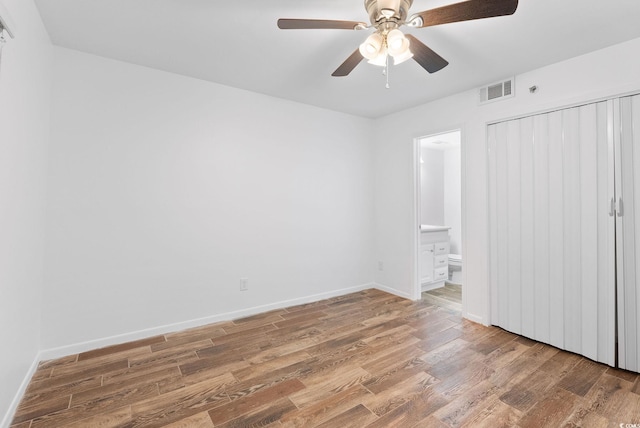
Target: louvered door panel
<point>627,118</point>
<point>551,236</point>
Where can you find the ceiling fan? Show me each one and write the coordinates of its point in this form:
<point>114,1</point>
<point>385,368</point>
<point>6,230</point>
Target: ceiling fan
<point>387,16</point>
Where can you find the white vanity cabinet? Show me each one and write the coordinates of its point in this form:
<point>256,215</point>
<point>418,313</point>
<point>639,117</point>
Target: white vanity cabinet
<point>434,256</point>
<point>427,263</point>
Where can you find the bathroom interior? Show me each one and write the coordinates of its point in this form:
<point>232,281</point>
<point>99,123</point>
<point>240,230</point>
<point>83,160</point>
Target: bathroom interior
<point>441,219</point>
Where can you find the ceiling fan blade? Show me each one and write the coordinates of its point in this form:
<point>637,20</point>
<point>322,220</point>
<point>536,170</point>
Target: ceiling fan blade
<point>464,11</point>
<point>348,66</point>
<point>312,24</point>
<point>423,55</point>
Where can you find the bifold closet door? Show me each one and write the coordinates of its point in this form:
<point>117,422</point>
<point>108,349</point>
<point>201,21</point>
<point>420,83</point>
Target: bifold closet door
<point>552,266</point>
<point>627,115</point>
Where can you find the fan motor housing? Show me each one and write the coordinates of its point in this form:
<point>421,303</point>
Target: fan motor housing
<point>380,11</point>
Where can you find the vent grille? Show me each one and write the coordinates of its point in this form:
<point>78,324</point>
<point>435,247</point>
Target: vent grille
<point>507,87</point>
<point>496,91</point>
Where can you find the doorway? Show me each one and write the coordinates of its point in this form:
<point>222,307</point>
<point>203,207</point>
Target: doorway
<point>439,217</point>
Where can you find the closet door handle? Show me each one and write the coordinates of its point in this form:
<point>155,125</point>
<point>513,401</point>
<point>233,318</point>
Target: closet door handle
<point>620,208</point>
<point>612,208</point>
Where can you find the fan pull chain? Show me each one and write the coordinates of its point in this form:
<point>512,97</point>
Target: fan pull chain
<point>386,71</point>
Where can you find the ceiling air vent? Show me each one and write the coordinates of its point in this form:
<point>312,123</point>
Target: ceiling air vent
<point>497,91</point>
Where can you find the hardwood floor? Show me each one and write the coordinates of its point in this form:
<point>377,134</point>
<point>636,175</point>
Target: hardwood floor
<point>449,296</point>
<point>367,359</point>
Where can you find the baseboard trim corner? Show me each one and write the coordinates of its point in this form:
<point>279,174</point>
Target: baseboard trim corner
<point>393,291</point>
<point>475,318</point>
<point>8,417</point>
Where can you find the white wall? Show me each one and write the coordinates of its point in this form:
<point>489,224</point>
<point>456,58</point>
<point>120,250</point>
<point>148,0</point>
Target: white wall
<point>25,70</point>
<point>166,190</point>
<point>432,186</point>
<point>452,196</point>
<point>599,74</point>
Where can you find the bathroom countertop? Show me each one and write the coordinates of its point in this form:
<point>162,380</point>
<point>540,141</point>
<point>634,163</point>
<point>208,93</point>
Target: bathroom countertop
<point>430,228</point>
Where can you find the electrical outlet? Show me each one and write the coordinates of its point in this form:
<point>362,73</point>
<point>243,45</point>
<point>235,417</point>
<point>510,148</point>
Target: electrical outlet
<point>380,266</point>
<point>244,284</point>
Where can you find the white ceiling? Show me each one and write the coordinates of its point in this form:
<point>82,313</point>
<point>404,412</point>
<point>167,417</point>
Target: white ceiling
<point>237,43</point>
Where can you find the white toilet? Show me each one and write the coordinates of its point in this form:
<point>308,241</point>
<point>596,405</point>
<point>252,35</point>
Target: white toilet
<point>455,268</point>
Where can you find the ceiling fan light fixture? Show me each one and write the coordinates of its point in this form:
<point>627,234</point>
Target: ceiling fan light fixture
<point>387,16</point>
<point>372,46</point>
<point>397,43</point>
<point>399,59</point>
<point>380,60</point>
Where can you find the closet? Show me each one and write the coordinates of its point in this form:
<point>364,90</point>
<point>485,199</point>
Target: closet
<point>564,206</point>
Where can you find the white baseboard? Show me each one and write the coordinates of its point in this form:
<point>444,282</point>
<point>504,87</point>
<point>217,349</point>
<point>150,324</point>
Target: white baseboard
<point>77,348</point>
<point>48,354</point>
<point>475,318</point>
<point>390,290</point>
<point>432,286</point>
<point>8,417</point>
<point>471,317</point>
<point>62,351</point>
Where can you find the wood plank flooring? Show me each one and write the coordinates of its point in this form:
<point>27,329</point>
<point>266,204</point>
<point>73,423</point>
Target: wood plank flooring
<point>449,296</point>
<point>367,359</point>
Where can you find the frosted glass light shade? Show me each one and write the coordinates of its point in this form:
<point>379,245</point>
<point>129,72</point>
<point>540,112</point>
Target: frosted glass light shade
<point>371,47</point>
<point>399,59</point>
<point>397,43</point>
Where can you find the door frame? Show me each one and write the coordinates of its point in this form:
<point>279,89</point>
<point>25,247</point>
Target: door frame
<point>417,195</point>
